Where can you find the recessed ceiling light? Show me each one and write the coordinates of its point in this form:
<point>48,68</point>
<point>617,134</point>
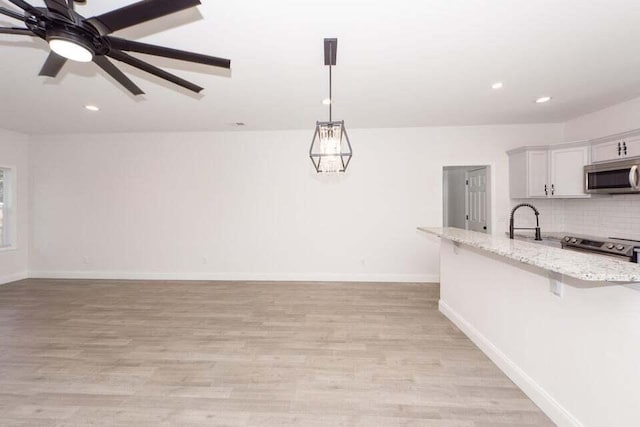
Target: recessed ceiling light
<point>497,85</point>
<point>543,99</point>
<point>92,107</point>
<point>327,101</point>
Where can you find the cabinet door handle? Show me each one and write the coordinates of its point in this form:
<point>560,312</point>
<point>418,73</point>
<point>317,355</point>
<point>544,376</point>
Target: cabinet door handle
<point>624,147</point>
<point>619,149</point>
<point>546,191</point>
<point>553,189</point>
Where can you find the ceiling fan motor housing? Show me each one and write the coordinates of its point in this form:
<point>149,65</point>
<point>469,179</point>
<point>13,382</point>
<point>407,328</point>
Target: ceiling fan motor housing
<point>71,36</point>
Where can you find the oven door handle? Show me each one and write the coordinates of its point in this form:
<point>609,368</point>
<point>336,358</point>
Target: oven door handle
<point>633,178</point>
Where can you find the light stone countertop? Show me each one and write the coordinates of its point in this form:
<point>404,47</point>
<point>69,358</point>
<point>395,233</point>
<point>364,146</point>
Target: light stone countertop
<point>546,235</point>
<point>582,266</point>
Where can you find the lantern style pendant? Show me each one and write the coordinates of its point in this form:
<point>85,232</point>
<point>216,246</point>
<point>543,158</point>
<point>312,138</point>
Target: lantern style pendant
<point>330,149</point>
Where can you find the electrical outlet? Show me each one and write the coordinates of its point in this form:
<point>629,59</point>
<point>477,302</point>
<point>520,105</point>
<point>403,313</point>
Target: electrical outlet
<point>205,260</point>
<point>85,260</point>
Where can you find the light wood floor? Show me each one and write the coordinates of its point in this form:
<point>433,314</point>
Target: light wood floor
<point>106,353</point>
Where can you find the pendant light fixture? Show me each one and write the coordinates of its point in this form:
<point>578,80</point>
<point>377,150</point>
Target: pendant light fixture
<point>330,149</point>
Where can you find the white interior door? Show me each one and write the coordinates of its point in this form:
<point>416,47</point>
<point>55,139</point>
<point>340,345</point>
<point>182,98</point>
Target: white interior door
<point>477,200</point>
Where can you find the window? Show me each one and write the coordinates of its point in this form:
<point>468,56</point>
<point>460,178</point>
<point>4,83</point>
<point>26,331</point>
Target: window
<point>2,214</point>
<point>6,208</point>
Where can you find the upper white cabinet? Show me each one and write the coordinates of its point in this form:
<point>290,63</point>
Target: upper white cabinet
<point>616,147</point>
<point>548,172</point>
<point>537,173</point>
<point>566,171</point>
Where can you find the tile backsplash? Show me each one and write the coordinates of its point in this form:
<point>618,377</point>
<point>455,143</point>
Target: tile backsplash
<point>602,216</point>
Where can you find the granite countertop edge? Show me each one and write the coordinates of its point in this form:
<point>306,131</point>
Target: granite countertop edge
<point>578,265</point>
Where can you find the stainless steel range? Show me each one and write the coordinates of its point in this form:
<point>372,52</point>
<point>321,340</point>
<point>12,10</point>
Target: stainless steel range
<point>621,248</point>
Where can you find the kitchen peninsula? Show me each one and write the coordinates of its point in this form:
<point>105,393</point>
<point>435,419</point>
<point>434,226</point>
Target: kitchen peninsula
<point>563,325</point>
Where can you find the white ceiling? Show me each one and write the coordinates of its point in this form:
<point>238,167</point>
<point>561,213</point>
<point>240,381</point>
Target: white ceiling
<point>400,63</point>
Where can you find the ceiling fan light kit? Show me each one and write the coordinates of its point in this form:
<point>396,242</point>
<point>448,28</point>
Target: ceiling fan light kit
<point>70,46</point>
<point>330,149</point>
<point>73,37</point>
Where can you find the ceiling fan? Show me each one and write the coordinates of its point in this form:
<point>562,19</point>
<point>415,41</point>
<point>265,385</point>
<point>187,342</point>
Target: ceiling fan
<point>73,37</point>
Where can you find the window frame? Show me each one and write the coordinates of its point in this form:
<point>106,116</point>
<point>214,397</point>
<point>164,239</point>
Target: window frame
<point>9,243</point>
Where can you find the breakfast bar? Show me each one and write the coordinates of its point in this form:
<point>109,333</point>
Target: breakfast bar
<point>563,325</point>
<point>576,265</point>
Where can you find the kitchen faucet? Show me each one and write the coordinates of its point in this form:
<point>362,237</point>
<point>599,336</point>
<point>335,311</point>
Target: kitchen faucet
<point>513,211</point>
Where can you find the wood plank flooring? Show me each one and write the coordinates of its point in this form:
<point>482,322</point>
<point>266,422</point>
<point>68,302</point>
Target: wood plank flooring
<point>117,353</point>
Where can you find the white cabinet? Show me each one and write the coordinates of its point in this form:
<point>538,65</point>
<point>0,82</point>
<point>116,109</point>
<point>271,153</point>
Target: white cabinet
<point>632,147</point>
<point>566,171</point>
<point>615,148</point>
<point>604,151</point>
<point>528,172</point>
<point>537,173</point>
<point>548,172</point>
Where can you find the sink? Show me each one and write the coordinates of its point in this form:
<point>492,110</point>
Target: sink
<point>553,243</point>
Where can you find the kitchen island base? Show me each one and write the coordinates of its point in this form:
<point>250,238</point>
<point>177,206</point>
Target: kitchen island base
<point>572,346</point>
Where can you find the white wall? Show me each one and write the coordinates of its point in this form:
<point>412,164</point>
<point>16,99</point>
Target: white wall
<point>247,205</point>
<point>13,153</point>
<point>615,119</point>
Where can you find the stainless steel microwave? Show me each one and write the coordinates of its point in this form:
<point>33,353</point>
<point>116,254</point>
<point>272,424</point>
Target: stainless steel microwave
<point>612,177</point>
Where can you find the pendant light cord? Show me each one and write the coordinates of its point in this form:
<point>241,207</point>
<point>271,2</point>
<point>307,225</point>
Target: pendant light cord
<point>330,94</point>
<point>330,82</point>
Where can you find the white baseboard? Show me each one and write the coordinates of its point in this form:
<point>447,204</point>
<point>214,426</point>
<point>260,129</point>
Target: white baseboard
<point>8,278</point>
<point>539,395</point>
<point>285,277</point>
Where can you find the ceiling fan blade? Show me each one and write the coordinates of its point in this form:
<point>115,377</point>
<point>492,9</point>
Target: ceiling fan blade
<point>52,65</point>
<point>149,49</point>
<point>26,7</point>
<point>137,13</point>
<point>17,31</point>
<point>104,63</point>
<point>12,14</point>
<point>144,66</point>
<point>59,6</point>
